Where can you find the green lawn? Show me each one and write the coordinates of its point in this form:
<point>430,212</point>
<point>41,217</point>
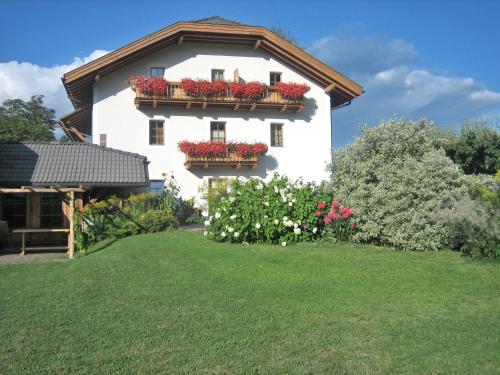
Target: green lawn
<point>176,302</point>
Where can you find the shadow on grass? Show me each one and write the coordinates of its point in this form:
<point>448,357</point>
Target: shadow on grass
<point>98,247</point>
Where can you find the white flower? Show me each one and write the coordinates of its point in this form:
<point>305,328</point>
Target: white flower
<point>294,200</point>
<point>259,187</point>
<point>276,190</point>
<point>288,223</point>
<point>205,233</point>
<point>217,215</point>
<point>230,229</point>
<point>236,234</point>
<point>232,217</point>
<point>290,204</point>
<point>266,204</point>
<point>285,218</point>
<point>297,231</point>
<point>223,234</point>
<point>284,200</point>
<point>295,225</point>
<point>207,223</point>
<point>232,199</point>
<point>283,243</point>
<point>265,216</point>
<point>210,218</point>
<point>257,226</point>
<point>315,230</point>
<point>276,221</point>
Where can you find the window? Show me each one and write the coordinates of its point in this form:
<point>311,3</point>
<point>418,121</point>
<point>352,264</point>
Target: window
<point>274,78</point>
<point>156,71</point>
<point>156,132</point>
<point>102,139</point>
<point>157,186</point>
<point>14,210</point>
<point>51,214</point>
<point>217,75</point>
<point>276,135</point>
<point>218,131</point>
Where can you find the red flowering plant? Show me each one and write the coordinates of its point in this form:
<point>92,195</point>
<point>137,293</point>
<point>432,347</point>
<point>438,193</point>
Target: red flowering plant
<point>236,89</point>
<point>292,91</point>
<point>219,88</point>
<point>149,85</point>
<point>189,86</point>
<point>211,148</point>
<point>336,220</point>
<point>253,90</point>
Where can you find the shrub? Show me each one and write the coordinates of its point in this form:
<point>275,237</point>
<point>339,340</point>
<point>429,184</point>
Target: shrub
<point>473,227</point>
<point>396,178</point>
<point>156,221</point>
<point>277,212</point>
<point>335,221</point>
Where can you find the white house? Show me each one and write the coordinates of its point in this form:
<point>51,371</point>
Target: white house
<point>112,112</point>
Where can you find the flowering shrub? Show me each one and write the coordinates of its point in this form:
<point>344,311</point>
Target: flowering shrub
<point>150,85</point>
<point>203,87</point>
<point>396,178</point>
<point>211,148</point>
<point>292,91</point>
<point>219,88</point>
<point>335,221</point>
<point>277,212</point>
<point>189,87</point>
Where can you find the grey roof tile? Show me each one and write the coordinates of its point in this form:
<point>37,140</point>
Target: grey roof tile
<point>52,163</point>
<point>218,21</point>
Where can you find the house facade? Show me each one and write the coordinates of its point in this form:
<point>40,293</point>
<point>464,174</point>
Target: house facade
<point>112,109</point>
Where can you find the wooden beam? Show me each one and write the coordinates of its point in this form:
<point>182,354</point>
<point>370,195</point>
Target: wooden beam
<point>330,88</point>
<point>33,189</point>
<point>257,44</point>
<point>181,39</point>
<point>188,105</point>
<point>155,103</point>
<point>252,108</point>
<point>283,109</point>
<point>204,105</point>
<point>97,78</point>
<point>300,109</point>
<point>236,106</point>
<point>71,235</point>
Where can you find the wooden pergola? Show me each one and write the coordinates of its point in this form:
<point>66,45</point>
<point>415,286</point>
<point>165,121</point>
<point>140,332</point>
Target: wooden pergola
<point>69,202</point>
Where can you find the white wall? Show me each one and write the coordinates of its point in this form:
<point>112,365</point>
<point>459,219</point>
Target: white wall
<point>307,134</point>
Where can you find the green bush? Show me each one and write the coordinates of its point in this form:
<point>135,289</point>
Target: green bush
<point>396,177</point>
<point>156,221</point>
<point>277,212</point>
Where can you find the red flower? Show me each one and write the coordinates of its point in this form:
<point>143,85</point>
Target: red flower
<point>253,90</point>
<point>292,91</point>
<point>321,205</point>
<point>236,89</point>
<point>354,225</point>
<point>259,148</point>
<point>189,87</point>
<point>347,213</point>
<point>335,204</point>
<point>219,88</point>
<point>327,220</point>
<point>150,85</point>
<point>317,213</point>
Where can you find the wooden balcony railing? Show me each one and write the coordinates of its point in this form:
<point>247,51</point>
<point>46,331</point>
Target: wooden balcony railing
<point>175,96</point>
<point>229,160</point>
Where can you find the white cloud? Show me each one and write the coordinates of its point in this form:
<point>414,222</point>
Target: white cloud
<point>23,79</point>
<point>395,86</point>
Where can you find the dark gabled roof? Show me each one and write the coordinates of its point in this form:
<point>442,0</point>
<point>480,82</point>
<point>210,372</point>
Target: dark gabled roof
<point>69,164</point>
<point>216,20</point>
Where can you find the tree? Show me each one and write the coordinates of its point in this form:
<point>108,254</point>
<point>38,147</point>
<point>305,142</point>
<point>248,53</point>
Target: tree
<point>476,149</point>
<point>396,177</point>
<point>26,121</point>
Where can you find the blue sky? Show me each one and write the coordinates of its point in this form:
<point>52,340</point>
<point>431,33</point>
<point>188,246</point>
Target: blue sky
<point>438,59</point>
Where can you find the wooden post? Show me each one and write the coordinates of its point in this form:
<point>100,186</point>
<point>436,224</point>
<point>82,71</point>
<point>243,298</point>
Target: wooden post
<point>23,246</point>
<point>71,235</point>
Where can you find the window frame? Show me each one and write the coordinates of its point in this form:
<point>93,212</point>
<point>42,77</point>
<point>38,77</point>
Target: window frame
<point>155,137</point>
<point>158,67</point>
<point>218,123</point>
<point>212,75</point>
<point>274,126</point>
<point>18,213</point>
<point>271,80</point>
<point>54,218</point>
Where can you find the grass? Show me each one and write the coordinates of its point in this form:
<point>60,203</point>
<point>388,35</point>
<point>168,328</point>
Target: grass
<point>175,302</point>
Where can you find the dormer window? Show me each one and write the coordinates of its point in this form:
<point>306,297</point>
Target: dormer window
<point>274,78</point>
<point>217,75</point>
<point>156,71</point>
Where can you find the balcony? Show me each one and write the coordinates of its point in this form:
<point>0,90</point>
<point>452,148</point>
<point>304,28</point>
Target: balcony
<point>175,96</point>
<point>229,160</point>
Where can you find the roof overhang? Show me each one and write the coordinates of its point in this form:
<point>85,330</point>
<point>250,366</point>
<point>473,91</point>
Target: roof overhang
<point>79,82</point>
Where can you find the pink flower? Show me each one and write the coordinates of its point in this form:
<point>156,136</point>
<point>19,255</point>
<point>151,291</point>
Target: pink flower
<point>317,213</point>
<point>354,225</point>
<point>335,205</point>
<point>347,213</point>
<point>321,205</point>
<point>327,220</point>
<point>333,215</point>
